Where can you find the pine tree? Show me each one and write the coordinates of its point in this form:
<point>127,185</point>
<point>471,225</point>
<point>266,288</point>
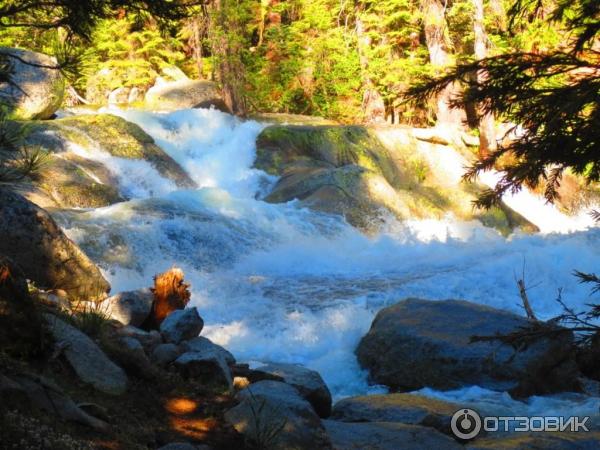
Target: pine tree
<point>551,95</point>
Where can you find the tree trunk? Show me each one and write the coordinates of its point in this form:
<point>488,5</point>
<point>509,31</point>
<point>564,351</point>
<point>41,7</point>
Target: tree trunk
<point>372,105</point>
<point>487,132</point>
<point>435,38</point>
<point>230,71</point>
<point>196,44</point>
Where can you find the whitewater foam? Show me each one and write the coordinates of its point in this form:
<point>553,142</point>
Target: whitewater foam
<point>283,283</point>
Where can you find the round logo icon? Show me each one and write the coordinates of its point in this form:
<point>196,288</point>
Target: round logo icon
<point>466,423</point>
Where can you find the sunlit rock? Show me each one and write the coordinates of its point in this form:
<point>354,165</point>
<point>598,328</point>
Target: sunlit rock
<point>36,92</point>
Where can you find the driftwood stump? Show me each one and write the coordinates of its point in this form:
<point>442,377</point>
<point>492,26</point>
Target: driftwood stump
<point>170,293</point>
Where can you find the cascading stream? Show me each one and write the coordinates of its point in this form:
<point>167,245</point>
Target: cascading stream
<point>280,282</point>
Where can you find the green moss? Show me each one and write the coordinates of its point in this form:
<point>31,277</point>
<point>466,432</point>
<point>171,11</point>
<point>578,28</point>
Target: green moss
<point>116,136</point>
<point>333,146</point>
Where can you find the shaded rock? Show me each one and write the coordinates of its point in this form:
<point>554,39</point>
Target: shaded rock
<point>21,328</point>
<point>181,325</point>
<point>131,307</point>
<point>32,239</point>
<point>535,441</point>
<point>12,394</point>
<point>40,90</point>
<point>46,395</point>
<point>112,134</point>
<point>148,339</point>
<point>200,344</point>
<point>182,94</point>
<point>209,366</point>
<point>418,343</point>
<point>273,415</point>
<point>405,408</point>
<point>308,382</point>
<point>87,359</point>
<point>386,436</point>
<point>165,354</point>
<point>129,354</point>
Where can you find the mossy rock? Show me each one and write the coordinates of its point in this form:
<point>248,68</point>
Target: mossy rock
<point>334,146</point>
<point>114,135</point>
<point>69,182</point>
<point>348,170</point>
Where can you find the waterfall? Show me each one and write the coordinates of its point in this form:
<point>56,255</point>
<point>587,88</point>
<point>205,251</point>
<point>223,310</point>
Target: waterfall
<point>281,282</point>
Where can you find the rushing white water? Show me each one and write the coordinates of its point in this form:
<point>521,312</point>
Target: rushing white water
<point>279,282</point>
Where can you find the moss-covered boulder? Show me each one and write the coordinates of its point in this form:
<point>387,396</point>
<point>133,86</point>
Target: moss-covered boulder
<point>75,182</point>
<point>36,92</point>
<point>71,180</point>
<point>348,170</point>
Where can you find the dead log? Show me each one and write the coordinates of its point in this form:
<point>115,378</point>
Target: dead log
<point>170,293</point>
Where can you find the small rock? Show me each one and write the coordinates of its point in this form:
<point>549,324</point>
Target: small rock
<point>208,366</point>
<point>148,339</point>
<point>181,325</point>
<point>165,354</point>
<point>308,382</point>
<point>129,353</point>
<point>87,359</point>
<point>386,436</point>
<point>273,415</point>
<point>201,344</point>
<point>131,307</point>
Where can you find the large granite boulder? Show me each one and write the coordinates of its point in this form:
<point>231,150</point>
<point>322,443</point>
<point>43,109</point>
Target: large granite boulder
<point>36,92</point>
<point>182,94</point>
<point>404,408</point>
<point>32,239</point>
<point>273,415</point>
<point>308,382</point>
<point>365,174</point>
<point>87,359</point>
<point>417,343</point>
<point>386,436</point>
<point>112,134</point>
